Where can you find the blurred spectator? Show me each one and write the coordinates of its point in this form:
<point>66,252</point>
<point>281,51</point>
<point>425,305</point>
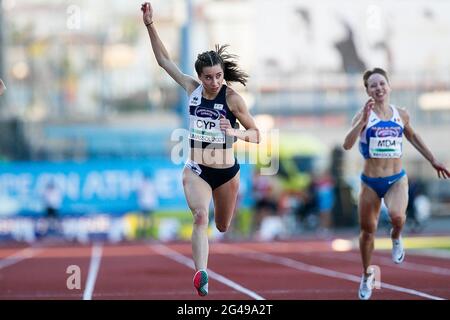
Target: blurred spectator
<point>325,201</point>
<point>344,210</point>
<point>266,193</point>
<point>52,200</point>
<point>314,210</point>
<point>419,207</point>
<point>147,201</point>
<point>308,208</point>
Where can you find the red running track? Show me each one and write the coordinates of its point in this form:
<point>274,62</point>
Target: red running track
<point>297,270</point>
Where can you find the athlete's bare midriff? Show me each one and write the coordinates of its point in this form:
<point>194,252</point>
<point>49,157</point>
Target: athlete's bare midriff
<point>213,158</point>
<point>377,168</point>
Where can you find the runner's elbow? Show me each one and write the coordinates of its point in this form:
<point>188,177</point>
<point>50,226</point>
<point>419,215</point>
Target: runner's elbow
<point>347,146</point>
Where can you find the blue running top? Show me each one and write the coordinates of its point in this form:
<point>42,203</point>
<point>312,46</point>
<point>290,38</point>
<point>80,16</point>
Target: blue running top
<point>382,139</point>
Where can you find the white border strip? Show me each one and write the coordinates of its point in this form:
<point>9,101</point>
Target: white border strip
<point>178,257</point>
<point>93,270</point>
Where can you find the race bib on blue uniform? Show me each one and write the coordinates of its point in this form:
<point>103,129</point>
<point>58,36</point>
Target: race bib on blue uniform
<point>385,142</point>
<point>385,147</point>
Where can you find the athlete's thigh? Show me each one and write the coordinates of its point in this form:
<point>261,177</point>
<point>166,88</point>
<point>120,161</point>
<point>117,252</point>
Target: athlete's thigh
<point>396,199</point>
<point>197,191</point>
<point>368,206</point>
<point>225,199</point>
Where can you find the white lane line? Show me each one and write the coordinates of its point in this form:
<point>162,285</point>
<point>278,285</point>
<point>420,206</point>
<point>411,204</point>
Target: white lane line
<point>178,257</point>
<point>434,253</point>
<point>256,255</point>
<point>412,266</point>
<point>93,270</point>
<point>18,256</point>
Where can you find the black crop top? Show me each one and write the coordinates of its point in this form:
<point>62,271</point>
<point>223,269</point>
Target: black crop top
<point>204,122</point>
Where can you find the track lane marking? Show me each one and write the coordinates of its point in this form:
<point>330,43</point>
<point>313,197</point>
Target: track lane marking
<point>19,256</point>
<point>288,262</point>
<point>93,270</point>
<point>406,265</point>
<point>178,257</point>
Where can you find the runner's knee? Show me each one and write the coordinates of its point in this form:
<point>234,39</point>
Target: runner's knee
<point>367,236</point>
<point>200,217</point>
<point>398,220</point>
<point>368,229</point>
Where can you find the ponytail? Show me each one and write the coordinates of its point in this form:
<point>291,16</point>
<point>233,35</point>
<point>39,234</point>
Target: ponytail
<point>231,70</point>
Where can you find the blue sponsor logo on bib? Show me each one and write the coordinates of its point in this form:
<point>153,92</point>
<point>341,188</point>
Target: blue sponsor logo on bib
<point>203,112</point>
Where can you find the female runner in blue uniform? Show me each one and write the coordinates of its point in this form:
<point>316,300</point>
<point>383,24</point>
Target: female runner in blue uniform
<point>212,170</point>
<point>380,127</point>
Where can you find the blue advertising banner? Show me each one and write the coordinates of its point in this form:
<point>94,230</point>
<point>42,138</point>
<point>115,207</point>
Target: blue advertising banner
<point>109,187</point>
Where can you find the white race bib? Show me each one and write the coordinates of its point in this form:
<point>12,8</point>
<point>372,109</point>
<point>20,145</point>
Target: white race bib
<point>205,130</point>
<point>385,147</point>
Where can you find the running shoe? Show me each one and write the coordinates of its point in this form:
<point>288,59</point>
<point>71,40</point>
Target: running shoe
<point>201,282</point>
<point>366,286</point>
<point>398,253</point>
